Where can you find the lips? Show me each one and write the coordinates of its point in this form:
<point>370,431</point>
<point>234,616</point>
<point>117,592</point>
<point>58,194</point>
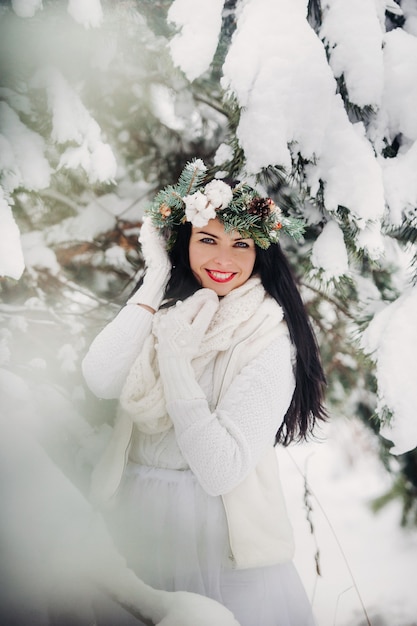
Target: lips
<point>220,277</point>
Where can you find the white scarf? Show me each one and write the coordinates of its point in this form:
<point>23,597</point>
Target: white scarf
<point>142,397</point>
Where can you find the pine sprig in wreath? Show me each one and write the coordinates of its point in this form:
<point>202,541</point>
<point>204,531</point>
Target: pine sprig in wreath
<point>167,208</point>
<point>240,208</point>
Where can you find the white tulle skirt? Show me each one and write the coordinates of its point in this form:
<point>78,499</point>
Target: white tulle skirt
<point>174,536</point>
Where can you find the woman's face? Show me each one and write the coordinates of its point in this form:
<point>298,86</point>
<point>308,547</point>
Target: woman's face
<point>220,261</point>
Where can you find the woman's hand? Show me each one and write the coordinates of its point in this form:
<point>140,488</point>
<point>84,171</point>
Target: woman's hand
<point>181,330</point>
<point>158,267</point>
<point>153,246</point>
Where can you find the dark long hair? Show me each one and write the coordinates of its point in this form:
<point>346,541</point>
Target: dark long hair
<point>307,402</point>
<point>279,281</point>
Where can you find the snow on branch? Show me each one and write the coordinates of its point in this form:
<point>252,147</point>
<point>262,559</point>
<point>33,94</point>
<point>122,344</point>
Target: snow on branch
<point>391,340</point>
<point>199,22</point>
<point>278,70</point>
<point>86,12</point>
<point>26,8</point>
<point>22,161</point>
<point>71,122</point>
<point>355,47</point>
<point>11,255</point>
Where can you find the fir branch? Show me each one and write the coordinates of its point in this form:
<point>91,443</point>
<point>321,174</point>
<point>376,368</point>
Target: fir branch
<point>332,301</point>
<point>314,14</point>
<point>193,181</point>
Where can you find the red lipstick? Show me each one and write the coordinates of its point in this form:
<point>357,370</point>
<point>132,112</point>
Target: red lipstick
<point>220,277</point>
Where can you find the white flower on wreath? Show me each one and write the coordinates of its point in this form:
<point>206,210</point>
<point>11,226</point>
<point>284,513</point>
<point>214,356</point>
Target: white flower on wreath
<point>276,212</point>
<point>198,210</point>
<point>219,194</point>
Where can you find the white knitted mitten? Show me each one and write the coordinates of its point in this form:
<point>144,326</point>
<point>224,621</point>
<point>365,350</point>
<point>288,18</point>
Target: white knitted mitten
<point>181,330</point>
<point>179,336</point>
<point>158,267</point>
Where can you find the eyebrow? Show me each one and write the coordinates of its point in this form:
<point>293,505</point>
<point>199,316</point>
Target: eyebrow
<point>203,232</point>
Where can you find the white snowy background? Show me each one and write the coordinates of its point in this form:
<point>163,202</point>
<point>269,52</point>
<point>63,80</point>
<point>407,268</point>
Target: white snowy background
<point>365,559</point>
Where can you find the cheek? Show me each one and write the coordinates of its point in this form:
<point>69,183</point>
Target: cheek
<point>196,257</point>
<point>250,264</point>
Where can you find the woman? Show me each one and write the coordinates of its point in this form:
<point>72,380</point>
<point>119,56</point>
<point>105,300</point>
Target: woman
<point>214,362</point>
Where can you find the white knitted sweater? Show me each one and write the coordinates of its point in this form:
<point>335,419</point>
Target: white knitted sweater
<point>221,446</point>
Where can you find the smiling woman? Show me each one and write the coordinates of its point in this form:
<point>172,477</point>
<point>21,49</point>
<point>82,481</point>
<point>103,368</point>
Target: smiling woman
<point>219,260</point>
<point>226,368</point>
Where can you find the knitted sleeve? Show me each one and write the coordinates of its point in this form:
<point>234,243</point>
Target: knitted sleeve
<point>223,446</point>
<point>112,353</point>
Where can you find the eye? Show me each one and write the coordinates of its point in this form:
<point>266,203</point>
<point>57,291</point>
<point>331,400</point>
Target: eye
<point>241,244</point>
<point>208,240</point>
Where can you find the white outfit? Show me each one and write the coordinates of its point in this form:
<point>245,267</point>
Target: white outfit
<point>197,508</point>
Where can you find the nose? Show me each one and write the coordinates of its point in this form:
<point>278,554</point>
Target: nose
<point>223,258</point>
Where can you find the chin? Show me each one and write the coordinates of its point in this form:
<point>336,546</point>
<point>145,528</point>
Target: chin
<point>222,290</point>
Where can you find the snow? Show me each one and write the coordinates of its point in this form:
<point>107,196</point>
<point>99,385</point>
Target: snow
<point>364,557</point>
<point>355,47</point>
<point>295,105</point>
<point>329,252</point>
<point>37,254</point>
<point>163,102</point>
<point>199,22</point>
<point>70,119</point>
<point>103,165</point>
<point>349,169</point>
<point>409,10</point>
<point>24,160</point>
<point>400,60</point>
<point>97,217</point>
<point>223,154</point>
<point>86,12</point>
<point>372,240</point>
<point>4,351</point>
<point>391,340</point>
<point>400,183</point>
<point>68,357</point>
<point>397,117</point>
<point>300,107</point>
<point>26,8</point>
<point>71,122</point>
<point>99,164</point>
<point>11,256</point>
<point>392,7</point>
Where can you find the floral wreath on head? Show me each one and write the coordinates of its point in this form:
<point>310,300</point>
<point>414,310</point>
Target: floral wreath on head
<point>239,208</point>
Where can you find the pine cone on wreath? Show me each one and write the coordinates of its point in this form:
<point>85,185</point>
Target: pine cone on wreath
<point>261,207</point>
